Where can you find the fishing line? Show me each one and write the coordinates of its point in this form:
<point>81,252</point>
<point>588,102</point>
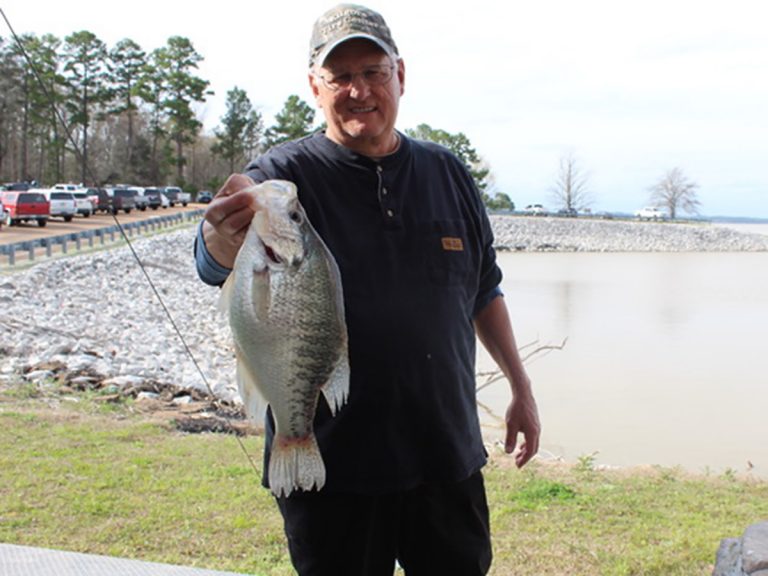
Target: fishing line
<point>153,287</point>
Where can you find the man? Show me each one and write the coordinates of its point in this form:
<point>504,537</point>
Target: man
<point>414,247</point>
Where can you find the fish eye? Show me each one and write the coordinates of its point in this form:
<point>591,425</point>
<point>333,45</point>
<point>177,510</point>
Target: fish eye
<point>295,216</point>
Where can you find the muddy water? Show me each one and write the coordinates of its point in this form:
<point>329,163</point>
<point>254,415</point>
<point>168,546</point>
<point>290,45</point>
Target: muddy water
<point>666,359</point>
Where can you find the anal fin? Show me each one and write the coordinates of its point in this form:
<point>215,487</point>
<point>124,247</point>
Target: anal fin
<point>336,390</point>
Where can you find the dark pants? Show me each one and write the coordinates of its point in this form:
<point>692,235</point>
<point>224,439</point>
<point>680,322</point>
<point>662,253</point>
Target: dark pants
<point>432,529</point>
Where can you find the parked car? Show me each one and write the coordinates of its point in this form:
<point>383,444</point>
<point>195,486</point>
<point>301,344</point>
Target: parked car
<point>177,196</point>
<point>156,198</point>
<point>81,194</point>
<point>172,193</point>
<point>204,196</point>
<point>124,199</point>
<point>66,187</point>
<point>83,205</point>
<point>142,202</point>
<point>93,196</point>
<point>113,200</point>
<point>568,212</point>
<point>63,204</point>
<point>535,210</point>
<point>650,213</point>
<point>105,200</point>
<point>26,206</point>
<point>17,186</point>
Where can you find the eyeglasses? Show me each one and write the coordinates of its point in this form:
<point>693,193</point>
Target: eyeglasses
<point>373,76</point>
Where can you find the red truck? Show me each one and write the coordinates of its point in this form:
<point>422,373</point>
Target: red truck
<point>26,206</point>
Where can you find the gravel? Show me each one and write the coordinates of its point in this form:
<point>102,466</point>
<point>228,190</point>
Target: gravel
<point>539,234</point>
<point>98,316</point>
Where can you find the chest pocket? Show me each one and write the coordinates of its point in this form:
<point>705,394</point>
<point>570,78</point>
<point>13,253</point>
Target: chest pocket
<point>448,252</point>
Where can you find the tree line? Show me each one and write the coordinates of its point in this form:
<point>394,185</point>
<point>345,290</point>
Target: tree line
<point>75,109</point>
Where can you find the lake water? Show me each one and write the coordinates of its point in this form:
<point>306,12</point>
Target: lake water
<point>665,359</point>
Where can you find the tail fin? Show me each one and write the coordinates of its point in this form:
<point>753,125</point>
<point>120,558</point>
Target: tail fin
<point>295,464</point>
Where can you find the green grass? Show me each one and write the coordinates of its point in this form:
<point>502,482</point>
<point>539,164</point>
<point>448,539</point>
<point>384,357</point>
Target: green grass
<point>121,486</point>
<point>78,476</point>
<point>554,519</point>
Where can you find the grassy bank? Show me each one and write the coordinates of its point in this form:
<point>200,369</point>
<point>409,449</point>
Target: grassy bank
<point>80,474</point>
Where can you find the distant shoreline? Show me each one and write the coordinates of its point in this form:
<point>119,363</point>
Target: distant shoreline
<point>551,234</point>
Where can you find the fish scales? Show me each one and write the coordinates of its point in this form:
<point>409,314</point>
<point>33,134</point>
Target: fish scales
<point>286,312</point>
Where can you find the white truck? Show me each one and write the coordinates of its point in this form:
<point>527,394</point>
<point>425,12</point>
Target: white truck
<point>63,203</point>
<point>176,195</point>
<point>650,213</point>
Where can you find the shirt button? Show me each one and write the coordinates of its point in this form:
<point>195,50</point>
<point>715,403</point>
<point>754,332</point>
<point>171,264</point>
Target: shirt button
<point>390,213</point>
<point>384,191</point>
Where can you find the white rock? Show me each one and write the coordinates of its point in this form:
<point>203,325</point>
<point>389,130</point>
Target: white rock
<point>124,381</point>
<point>38,376</point>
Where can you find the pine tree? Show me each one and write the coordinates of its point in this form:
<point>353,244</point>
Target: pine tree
<point>240,126</point>
<point>460,145</point>
<point>294,121</point>
<point>86,75</point>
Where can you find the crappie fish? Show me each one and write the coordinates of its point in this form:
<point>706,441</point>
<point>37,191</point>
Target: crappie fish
<point>286,311</point>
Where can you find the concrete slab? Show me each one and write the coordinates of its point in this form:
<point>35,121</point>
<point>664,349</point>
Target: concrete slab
<point>27,561</point>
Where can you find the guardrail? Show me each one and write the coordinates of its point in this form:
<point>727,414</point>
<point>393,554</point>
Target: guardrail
<point>31,250</point>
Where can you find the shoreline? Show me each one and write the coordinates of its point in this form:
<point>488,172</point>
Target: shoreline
<point>97,310</point>
<point>552,234</point>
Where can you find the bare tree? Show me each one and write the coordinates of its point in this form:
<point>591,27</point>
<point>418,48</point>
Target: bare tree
<point>674,191</point>
<point>570,191</point>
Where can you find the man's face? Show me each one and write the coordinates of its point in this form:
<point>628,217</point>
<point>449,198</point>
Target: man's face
<point>362,115</point>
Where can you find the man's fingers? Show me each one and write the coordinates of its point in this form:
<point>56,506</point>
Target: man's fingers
<point>229,211</point>
<point>531,432</point>
<point>528,450</point>
<point>511,441</point>
<point>522,457</point>
<point>228,208</point>
<point>234,183</point>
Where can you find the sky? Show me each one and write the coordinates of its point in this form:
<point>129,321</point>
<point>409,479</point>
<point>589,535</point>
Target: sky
<point>630,90</point>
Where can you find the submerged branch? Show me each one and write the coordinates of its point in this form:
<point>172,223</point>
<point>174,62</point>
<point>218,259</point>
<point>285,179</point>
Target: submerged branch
<point>495,375</point>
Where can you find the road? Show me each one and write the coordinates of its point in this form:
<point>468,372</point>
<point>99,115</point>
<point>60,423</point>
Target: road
<point>57,226</point>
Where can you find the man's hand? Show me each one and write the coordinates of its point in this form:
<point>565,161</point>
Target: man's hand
<point>522,417</point>
<point>495,332</point>
<point>227,219</point>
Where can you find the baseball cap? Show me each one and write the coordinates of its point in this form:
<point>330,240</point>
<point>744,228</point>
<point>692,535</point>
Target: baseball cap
<point>344,22</point>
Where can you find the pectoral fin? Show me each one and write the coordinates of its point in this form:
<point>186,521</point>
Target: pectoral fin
<point>225,297</point>
<point>254,403</point>
<point>261,293</point>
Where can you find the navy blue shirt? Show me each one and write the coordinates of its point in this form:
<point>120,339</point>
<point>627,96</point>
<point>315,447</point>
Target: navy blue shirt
<point>414,248</point>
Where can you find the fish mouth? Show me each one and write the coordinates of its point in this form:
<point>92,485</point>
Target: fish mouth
<point>277,261</point>
<point>272,255</point>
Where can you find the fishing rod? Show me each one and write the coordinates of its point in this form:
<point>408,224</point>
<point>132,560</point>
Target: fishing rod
<point>79,156</point>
